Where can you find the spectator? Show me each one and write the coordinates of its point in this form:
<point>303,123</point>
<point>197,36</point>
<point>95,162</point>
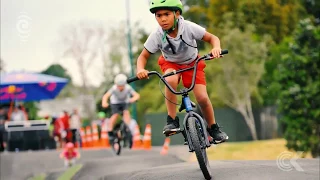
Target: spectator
<point>66,126</point>
<point>18,114</point>
<point>3,118</point>
<point>75,125</point>
<point>57,131</point>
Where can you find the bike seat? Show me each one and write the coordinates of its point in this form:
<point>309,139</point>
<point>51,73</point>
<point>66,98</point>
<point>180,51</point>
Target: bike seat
<point>182,106</point>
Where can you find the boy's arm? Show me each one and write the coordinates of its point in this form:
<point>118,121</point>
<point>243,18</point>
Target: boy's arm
<point>135,96</point>
<point>78,154</point>
<point>105,99</point>
<point>141,64</point>
<point>215,42</point>
<point>61,155</point>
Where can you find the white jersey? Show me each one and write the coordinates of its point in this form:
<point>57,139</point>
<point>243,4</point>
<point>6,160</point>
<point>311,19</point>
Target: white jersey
<point>188,32</point>
<point>118,97</point>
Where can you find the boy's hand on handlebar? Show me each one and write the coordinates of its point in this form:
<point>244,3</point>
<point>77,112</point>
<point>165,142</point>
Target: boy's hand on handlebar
<point>142,74</point>
<point>216,52</point>
<point>131,100</point>
<point>105,104</point>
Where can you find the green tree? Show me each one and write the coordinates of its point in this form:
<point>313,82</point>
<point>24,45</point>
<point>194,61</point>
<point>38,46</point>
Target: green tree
<point>57,70</point>
<point>32,110</point>
<point>298,75</point>
<point>272,17</point>
<point>240,71</point>
<point>312,7</point>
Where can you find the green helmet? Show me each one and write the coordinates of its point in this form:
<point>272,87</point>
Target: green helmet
<point>173,5</point>
<point>101,115</point>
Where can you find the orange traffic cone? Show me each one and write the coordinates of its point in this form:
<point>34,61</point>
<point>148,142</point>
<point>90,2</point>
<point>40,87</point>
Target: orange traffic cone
<point>104,141</point>
<point>147,138</point>
<point>137,144</point>
<point>95,136</point>
<point>83,137</point>
<point>165,147</point>
<point>88,136</point>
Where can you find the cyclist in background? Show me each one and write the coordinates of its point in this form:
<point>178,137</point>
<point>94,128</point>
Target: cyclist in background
<point>120,94</point>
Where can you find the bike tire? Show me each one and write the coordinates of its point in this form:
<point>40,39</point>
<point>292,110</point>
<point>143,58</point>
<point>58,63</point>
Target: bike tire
<point>197,140</point>
<point>116,142</point>
<point>127,136</point>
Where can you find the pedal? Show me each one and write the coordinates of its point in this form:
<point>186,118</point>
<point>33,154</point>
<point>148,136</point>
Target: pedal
<point>171,133</point>
<point>218,142</point>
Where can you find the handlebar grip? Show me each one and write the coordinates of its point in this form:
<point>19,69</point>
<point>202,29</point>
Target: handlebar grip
<point>131,79</point>
<point>225,51</point>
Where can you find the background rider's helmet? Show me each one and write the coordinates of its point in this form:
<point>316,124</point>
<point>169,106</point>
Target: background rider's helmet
<point>174,5</point>
<point>120,80</point>
<point>101,115</point>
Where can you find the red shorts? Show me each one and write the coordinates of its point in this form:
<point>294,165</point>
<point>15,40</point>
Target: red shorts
<point>186,75</point>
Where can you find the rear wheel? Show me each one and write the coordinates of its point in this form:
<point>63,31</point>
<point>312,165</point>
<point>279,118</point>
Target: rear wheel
<point>198,142</point>
<point>126,136</point>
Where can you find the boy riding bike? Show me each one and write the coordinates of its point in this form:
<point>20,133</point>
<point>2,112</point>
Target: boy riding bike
<point>176,38</point>
<point>119,95</point>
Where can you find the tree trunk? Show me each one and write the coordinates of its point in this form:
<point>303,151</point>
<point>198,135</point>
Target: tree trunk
<point>250,122</point>
<point>251,117</point>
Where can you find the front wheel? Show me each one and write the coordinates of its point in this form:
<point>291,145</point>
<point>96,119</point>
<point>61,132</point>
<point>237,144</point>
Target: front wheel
<point>198,143</point>
<point>126,136</point>
<point>116,145</point>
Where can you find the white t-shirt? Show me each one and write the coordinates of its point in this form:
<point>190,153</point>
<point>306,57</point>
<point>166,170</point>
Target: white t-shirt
<point>18,116</point>
<point>118,97</point>
<point>75,122</point>
<point>189,31</point>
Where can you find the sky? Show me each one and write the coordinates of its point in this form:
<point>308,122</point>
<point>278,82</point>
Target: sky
<point>29,29</point>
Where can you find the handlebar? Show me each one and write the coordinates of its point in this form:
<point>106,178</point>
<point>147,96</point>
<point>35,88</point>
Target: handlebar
<point>162,77</point>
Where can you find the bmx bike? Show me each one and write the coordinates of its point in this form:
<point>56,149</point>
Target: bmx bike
<point>122,137</point>
<point>194,127</point>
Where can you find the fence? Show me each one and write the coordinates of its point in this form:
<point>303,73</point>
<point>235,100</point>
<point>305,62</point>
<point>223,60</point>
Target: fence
<point>267,125</point>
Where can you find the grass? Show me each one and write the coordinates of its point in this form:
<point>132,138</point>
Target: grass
<point>251,150</point>
<point>39,177</point>
<point>68,174</point>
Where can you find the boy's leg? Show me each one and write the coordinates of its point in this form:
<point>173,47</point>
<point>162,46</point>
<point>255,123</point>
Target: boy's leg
<point>200,92</point>
<point>73,161</point>
<point>172,125</point>
<point>66,162</point>
<point>126,114</point>
<point>112,120</point>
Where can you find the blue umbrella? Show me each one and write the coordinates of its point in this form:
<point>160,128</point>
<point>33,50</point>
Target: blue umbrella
<point>28,86</point>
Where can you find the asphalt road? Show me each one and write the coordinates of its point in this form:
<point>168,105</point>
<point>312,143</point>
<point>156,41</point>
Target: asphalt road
<point>148,165</point>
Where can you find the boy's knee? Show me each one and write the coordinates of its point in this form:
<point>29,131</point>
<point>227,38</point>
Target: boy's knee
<point>203,101</point>
<point>172,80</point>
